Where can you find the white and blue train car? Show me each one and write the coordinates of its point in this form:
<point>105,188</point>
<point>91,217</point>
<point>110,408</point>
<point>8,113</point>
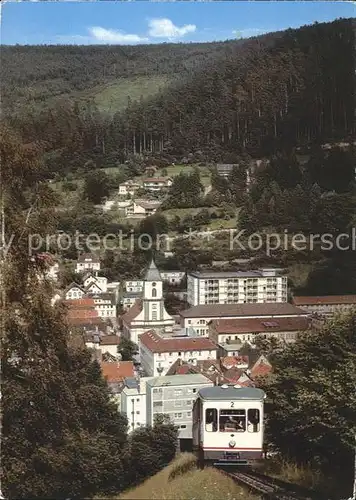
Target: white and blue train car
<point>228,425</point>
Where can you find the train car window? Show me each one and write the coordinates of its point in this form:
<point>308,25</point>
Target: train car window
<point>232,420</point>
<point>253,420</point>
<point>211,419</point>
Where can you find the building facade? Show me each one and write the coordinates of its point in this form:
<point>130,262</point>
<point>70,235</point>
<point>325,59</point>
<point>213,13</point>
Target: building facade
<point>157,184</point>
<point>158,354</point>
<point>264,285</point>
<point>87,262</point>
<point>326,304</point>
<point>148,312</point>
<point>133,403</point>
<point>199,317</point>
<point>174,396</point>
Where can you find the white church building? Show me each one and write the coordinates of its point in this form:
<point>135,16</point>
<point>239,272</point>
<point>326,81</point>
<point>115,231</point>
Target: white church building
<point>148,313</point>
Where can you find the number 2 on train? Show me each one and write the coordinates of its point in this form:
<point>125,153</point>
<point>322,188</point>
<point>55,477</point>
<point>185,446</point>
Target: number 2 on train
<point>232,404</point>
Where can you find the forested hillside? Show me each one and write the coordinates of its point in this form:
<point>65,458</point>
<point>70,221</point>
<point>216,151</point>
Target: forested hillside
<point>260,96</point>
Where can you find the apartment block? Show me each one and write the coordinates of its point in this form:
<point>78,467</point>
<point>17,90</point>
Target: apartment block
<point>239,287</point>
<point>174,396</point>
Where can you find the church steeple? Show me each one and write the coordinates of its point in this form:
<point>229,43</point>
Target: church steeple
<point>152,273</point>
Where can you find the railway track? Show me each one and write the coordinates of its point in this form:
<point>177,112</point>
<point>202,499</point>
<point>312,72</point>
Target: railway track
<point>271,488</point>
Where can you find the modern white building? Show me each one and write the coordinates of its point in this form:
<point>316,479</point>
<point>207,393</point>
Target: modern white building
<point>174,396</point>
<point>87,262</point>
<point>157,354</point>
<point>133,402</point>
<point>263,285</point>
<point>199,317</point>
<point>148,312</point>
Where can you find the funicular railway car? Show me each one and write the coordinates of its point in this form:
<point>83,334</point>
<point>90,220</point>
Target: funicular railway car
<point>228,425</point>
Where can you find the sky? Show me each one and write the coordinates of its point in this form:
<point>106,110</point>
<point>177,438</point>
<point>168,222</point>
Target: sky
<point>105,22</point>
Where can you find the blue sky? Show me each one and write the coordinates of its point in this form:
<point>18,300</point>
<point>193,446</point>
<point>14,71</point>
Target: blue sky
<point>137,22</point>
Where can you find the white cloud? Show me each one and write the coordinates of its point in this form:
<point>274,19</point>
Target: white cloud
<point>104,35</point>
<point>164,28</point>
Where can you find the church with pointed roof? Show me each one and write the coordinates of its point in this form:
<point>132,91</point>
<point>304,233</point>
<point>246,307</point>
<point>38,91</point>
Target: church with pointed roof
<point>148,313</point>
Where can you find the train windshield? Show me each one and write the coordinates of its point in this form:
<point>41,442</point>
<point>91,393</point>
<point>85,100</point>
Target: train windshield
<point>232,420</point>
<point>211,420</point>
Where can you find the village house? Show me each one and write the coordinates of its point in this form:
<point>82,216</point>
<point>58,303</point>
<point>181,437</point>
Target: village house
<point>326,304</point>
<point>74,291</point>
<point>140,209</point>
<point>94,283</point>
<point>199,317</point>
<point>117,371</point>
<point>157,353</point>
<point>173,277</point>
<point>157,184</point>
<point>104,343</point>
<point>148,312</point>
<point>237,331</point>
<point>105,304</point>
<point>129,187</point>
<point>237,287</point>
<point>175,396</point>
<point>87,262</point>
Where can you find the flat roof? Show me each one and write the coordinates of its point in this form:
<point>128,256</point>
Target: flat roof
<point>174,380</point>
<point>225,274</point>
<point>218,393</point>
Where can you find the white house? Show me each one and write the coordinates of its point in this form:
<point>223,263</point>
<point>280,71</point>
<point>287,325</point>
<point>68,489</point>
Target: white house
<point>100,283</point>
<point>148,312</point>
<point>142,208</point>
<point>129,187</point>
<point>157,184</point>
<point>172,277</point>
<point>157,353</point>
<point>135,286</point>
<point>87,262</point>
<point>133,402</point>
<point>53,271</point>
<point>105,304</point>
<point>74,291</point>
<point>198,317</point>
<point>104,343</point>
<point>239,287</point>
<point>174,396</point>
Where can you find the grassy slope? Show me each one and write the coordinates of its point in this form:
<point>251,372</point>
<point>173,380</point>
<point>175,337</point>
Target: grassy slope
<point>181,481</point>
<point>114,97</point>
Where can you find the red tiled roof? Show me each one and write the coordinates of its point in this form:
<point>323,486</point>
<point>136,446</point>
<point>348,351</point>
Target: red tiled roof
<point>155,343</point>
<point>231,361</point>
<point>257,325</point>
<point>131,314</point>
<point>261,369</point>
<point>117,372</point>
<point>110,340</point>
<point>77,303</point>
<point>86,321</point>
<point>82,313</point>
<point>325,299</point>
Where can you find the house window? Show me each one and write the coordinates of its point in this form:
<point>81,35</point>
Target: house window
<point>178,392</point>
<point>177,403</point>
<point>183,426</point>
<point>154,292</point>
<point>137,413</point>
<point>194,390</point>
<point>157,404</point>
<point>179,354</point>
